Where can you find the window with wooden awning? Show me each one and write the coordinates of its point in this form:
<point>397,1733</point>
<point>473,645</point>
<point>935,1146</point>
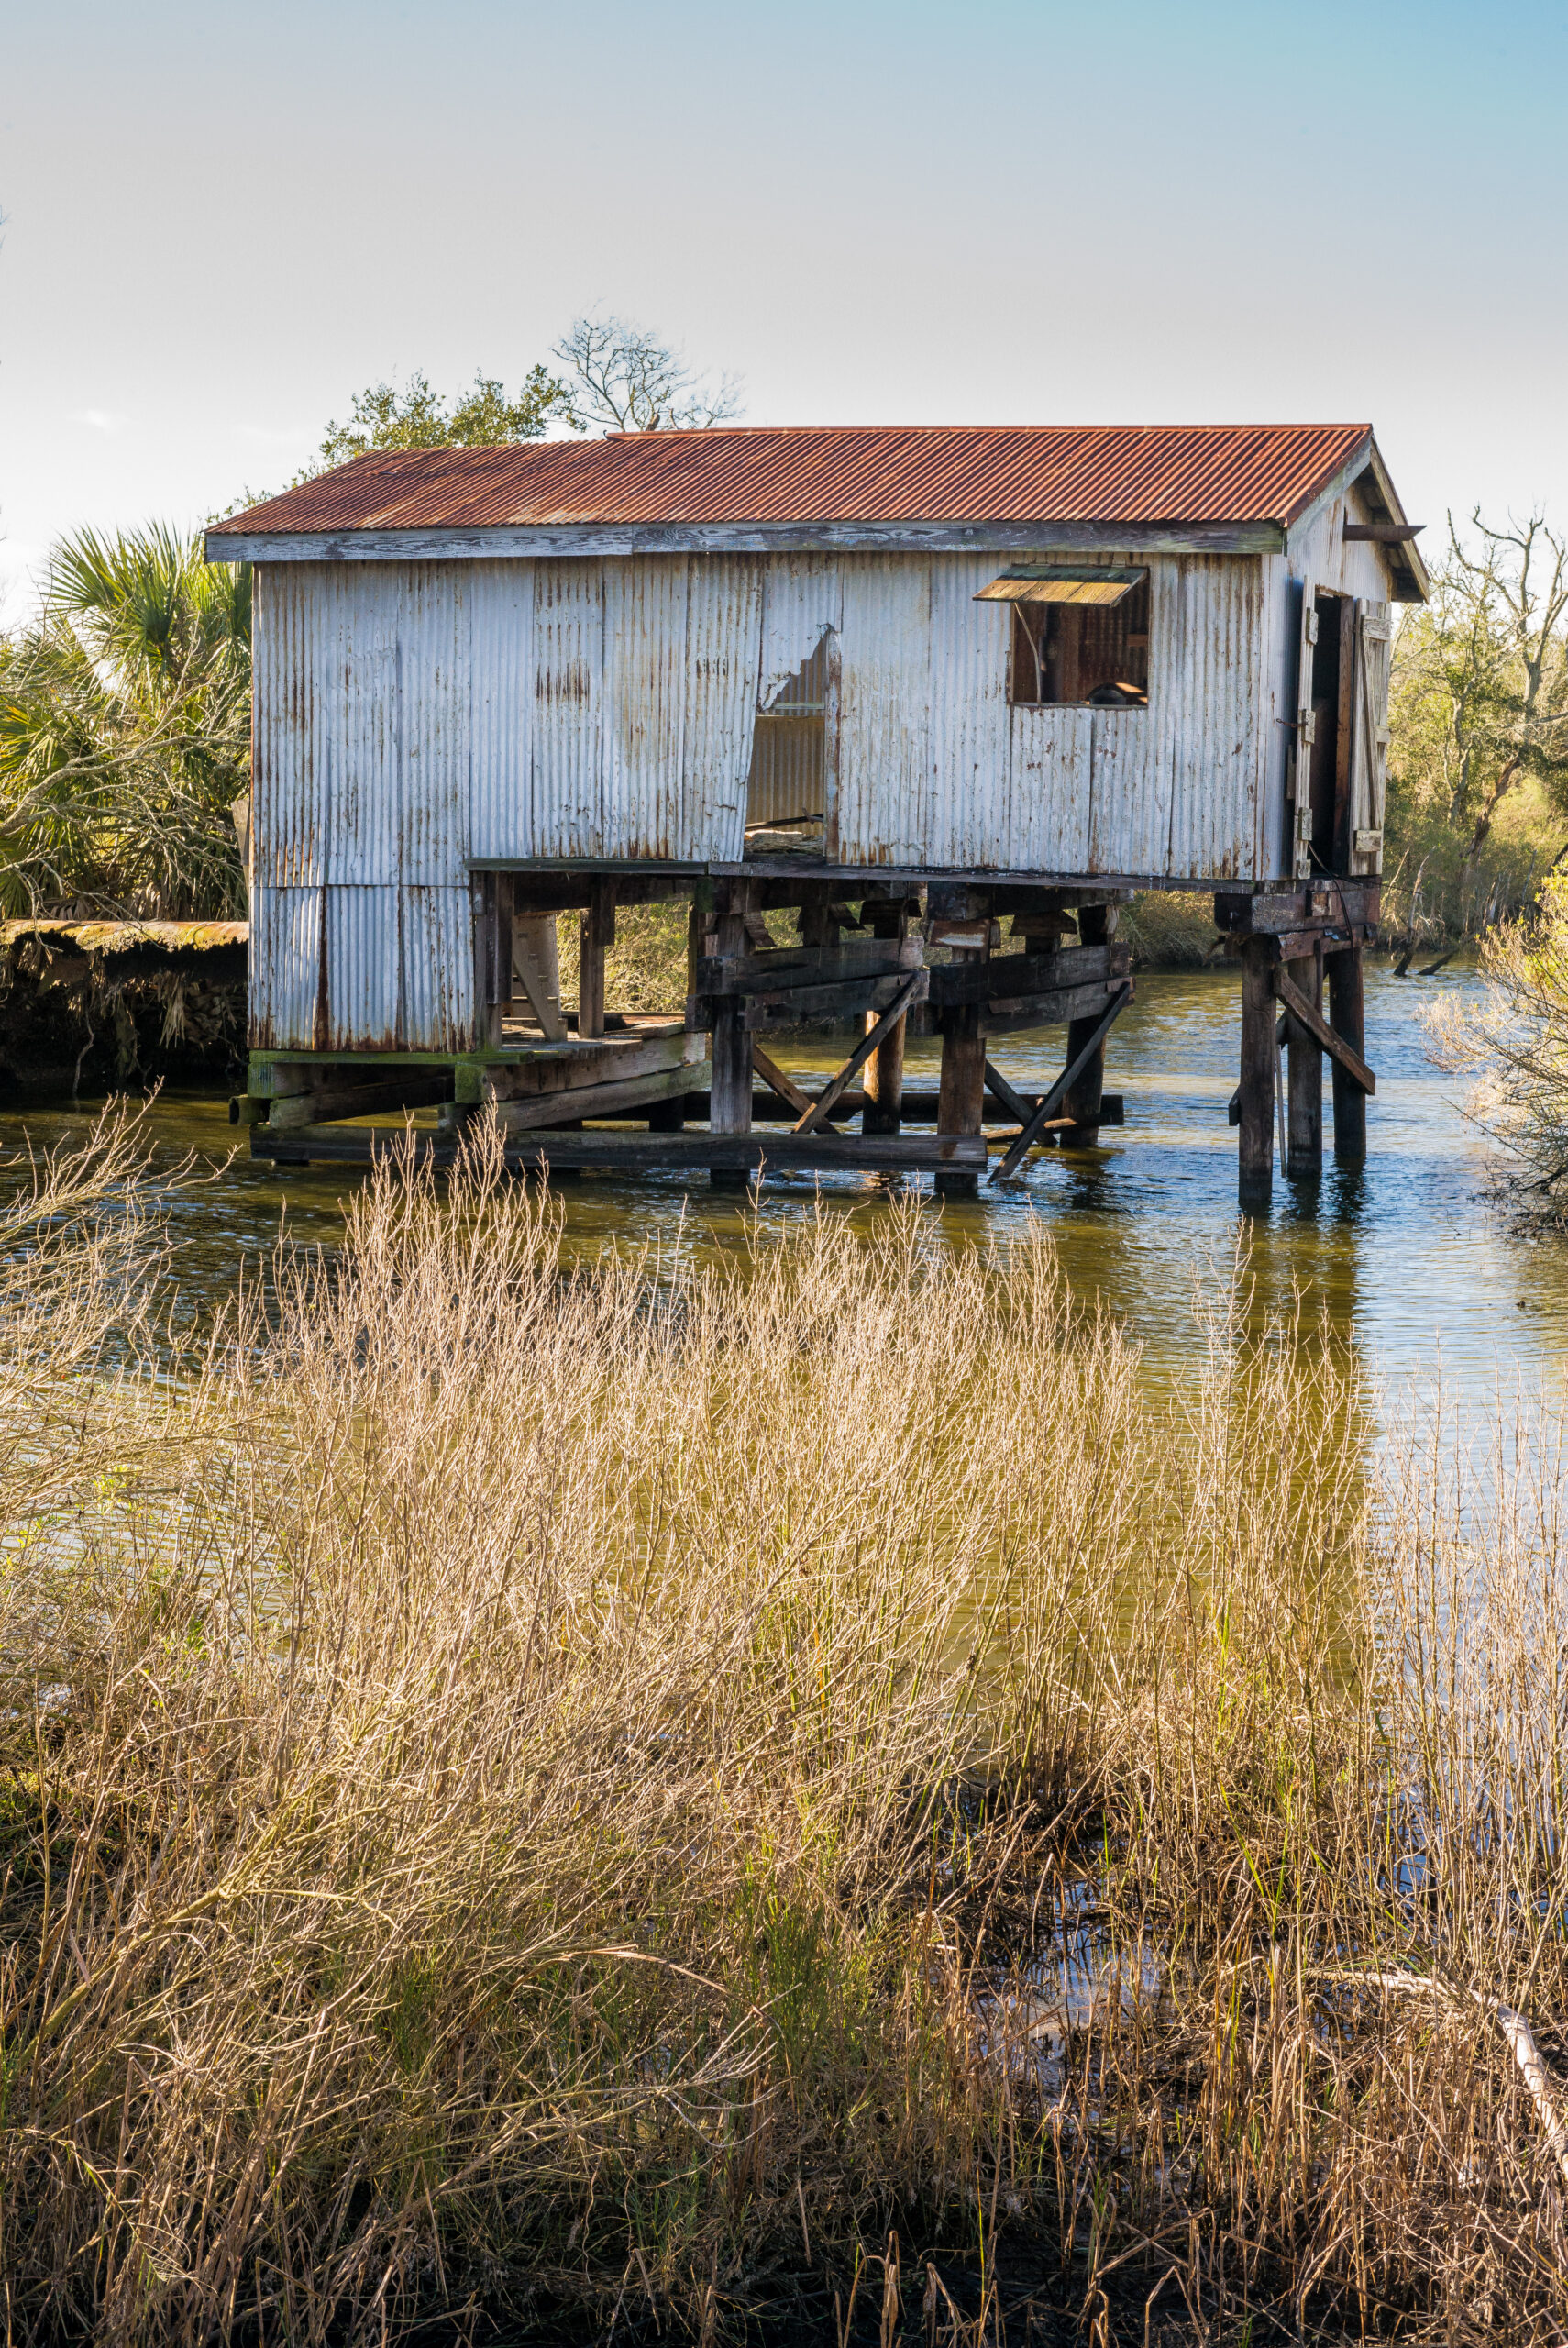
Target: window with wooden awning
<point>1080,634</point>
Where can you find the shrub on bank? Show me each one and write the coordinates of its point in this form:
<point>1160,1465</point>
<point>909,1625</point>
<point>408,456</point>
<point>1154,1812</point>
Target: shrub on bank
<point>621,1786</point>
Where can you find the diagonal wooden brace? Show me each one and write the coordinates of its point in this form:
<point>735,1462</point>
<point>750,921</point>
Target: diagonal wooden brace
<point>1005,1167</point>
<point>1318,1028</point>
<point>860,1056</point>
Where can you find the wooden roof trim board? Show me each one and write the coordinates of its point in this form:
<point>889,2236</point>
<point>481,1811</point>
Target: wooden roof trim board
<point>1366,472</point>
<point>434,545</point>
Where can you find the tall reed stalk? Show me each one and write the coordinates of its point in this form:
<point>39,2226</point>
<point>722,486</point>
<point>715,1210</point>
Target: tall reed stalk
<point>615,1787</point>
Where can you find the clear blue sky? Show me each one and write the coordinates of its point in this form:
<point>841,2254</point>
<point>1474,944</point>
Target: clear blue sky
<point>220,221</point>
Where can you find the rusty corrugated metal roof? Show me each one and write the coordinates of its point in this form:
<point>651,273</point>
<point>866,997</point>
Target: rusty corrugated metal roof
<point>846,473</point>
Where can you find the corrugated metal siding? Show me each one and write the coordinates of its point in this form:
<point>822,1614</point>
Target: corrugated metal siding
<point>802,600</point>
<point>434,700</point>
<point>1048,823</point>
<point>354,641</point>
<point>644,647</point>
<point>885,724</point>
<point>502,669</point>
<point>968,758</point>
<point>285,968</point>
<point>288,796</point>
<point>723,648</point>
<point>363,969</point>
<point>568,696</point>
<point>437,953</point>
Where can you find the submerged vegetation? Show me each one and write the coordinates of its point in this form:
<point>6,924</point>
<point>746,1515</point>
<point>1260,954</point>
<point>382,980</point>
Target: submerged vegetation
<point>682,1792</point>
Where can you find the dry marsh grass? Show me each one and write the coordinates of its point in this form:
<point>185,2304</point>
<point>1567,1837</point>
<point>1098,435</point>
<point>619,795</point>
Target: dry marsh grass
<point>530,1787</point>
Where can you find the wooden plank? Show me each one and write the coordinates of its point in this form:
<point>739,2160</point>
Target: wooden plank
<point>435,543</point>
<point>607,1099</point>
<point>1008,1017</point>
<point>535,960</point>
<point>1051,1102</point>
<point>1013,976</point>
<point>321,1105</point>
<point>1342,1053</point>
<point>791,966</point>
<point>1017,1104</point>
<point>773,1076</point>
<point>633,1152</point>
<point>1384,534</point>
<point>596,1061</point>
<point>840,1083</point>
<point>790,1007</point>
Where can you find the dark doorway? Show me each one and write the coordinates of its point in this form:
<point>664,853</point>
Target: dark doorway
<point>1332,679</point>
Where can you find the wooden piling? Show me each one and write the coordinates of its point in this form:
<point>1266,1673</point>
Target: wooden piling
<point>1303,1140</point>
<point>961,1102</point>
<point>885,1070</point>
<point>1347,1017</point>
<point>730,1105</point>
<point>1097,925</point>
<point>597,935</point>
<point>1255,1156</point>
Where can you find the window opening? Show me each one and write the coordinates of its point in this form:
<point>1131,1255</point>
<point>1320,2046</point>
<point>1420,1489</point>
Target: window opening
<point>1081,637</point>
<point>786,786</point>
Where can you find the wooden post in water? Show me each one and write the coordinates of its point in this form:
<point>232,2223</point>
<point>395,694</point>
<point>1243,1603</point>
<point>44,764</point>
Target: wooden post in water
<point>885,1070</point>
<point>1256,1157</point>
<point>730,1090</point>
<point>1096,926</point>
<point>1304,1148</point>
<point>961,1097</point>
<point>1347,1017</point>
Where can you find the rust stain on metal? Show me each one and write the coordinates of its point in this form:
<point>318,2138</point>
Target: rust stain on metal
<point>1144,473</point>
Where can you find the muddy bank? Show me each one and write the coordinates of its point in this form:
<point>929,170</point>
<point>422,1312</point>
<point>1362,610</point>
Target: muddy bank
<point>99,1006</point>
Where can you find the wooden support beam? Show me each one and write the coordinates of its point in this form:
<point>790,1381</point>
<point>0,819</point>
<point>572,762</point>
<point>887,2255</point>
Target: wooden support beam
<point>1347,1017</point>
<point>1015,1105</point>
<point>1091,1051</point>
<point>1259,1015</point>
<point>536,963</point>
<point>731,1081</point>
<point>1096,925</point>
<point>888,922</point>
<point>740,1155</point>
<point>892,1016</point>
<point>324,1103</point>
<point>597,935</point>
<point>1342,1053</point>
<point>1304,1145</point>
<point>1384,534</point>
<point>961,1097</point>
<point>784,1087</point>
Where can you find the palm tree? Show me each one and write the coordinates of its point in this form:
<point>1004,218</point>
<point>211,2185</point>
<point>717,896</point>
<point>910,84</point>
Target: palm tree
<point>125,732</point>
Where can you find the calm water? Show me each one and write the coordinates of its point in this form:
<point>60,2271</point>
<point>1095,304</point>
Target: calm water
<point>1407,1252</point>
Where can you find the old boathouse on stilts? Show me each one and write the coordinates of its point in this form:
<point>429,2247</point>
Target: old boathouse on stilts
<point>910,683</point>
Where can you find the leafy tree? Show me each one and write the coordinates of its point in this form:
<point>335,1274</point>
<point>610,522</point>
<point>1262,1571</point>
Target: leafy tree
<point>1480,703</point>
<point>124,731</point>
<point>418,418</point>
<point>617,378</point>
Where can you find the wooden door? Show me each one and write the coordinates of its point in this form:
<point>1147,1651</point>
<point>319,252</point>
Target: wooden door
<point>1369,735</point>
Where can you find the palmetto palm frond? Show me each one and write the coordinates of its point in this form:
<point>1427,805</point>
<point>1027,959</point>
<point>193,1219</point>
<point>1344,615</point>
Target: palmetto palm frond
<point>124,720</point>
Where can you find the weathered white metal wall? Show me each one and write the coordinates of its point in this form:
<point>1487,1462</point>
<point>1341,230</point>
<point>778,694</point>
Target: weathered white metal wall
<point>414,717</point>
<point>938,770</point>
